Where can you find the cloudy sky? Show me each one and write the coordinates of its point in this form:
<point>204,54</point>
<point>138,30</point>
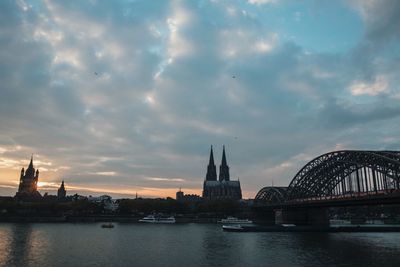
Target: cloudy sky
<point>120,97</point>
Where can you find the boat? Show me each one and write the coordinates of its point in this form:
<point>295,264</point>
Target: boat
<point>234,220</point>
<point>157,219</point>
<point>288,225</point>
<point>107,225</point>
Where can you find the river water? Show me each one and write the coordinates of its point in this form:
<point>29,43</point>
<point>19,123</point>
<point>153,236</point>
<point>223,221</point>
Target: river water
<point>80,244</point>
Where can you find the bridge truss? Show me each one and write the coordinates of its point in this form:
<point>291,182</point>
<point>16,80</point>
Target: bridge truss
<point>339,174</point>
<point>272,194</point>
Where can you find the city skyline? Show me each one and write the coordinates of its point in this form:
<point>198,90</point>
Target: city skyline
<point>122,97</point>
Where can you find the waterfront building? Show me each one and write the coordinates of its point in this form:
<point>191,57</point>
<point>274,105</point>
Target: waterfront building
<point>179,195</point>
<point>61,193</point>
<point>27,189</point>
<point>182,197</point>
<point>223,188</point>
<point>77,197</point>
<point>100,199</point>
<point>110,205</point>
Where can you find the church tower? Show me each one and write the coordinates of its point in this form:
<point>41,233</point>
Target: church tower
<point>28,183</point>
<point>223,168</point>
<point>61,193</point>
<point>211,168</point>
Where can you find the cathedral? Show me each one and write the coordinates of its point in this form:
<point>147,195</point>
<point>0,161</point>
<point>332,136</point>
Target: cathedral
<point>223,188</point>
<point>27,189</point>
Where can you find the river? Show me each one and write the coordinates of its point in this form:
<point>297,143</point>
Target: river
<point>80,244</point>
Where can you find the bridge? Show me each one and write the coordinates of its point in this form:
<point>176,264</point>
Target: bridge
<point>335,179</point>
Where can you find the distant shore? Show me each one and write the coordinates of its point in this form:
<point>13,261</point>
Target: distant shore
<point>97,218</point>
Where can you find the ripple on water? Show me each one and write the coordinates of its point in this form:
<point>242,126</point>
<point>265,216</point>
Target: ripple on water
<point>188,245</point>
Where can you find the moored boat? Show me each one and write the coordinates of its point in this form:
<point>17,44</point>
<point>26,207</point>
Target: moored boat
<point>107,225</point>
<point>234,220</point>
<point>157,219</point>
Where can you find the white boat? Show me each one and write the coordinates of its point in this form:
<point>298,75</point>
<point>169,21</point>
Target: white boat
<point>234,220</point>
<point>157,219</point>
<point>288,225</point>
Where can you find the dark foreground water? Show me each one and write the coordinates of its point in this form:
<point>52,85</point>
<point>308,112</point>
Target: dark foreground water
<point>188,245</point>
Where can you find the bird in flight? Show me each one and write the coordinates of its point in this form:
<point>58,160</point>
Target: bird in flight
<point>233,77</point>
<point>95,73</point>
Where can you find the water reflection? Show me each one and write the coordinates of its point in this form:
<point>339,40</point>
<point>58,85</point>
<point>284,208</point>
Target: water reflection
<point>211,243</point>
<point>5,243</point>
<point>341,249</point>
<point>19,247</point>
<point>188,245</point>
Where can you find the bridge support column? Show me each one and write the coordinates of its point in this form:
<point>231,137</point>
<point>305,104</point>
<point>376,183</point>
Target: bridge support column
<point>310,216</point>
<point>264,215</point>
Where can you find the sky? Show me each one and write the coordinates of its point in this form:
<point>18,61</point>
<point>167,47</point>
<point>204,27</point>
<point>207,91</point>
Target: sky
<point>119,97</point>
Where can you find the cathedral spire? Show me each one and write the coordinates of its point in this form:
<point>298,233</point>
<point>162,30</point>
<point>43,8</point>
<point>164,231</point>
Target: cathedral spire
<point>31,163</point>
<point>223,168</point>
<point>211,162</point>
<point>223,163</point>
<point>211,168</point>
<point>30,171</point>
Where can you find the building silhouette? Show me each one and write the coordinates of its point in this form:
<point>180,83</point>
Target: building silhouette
<point>182,197</point>
<point>179,195</point>
<point>61,193</point>
<point>223,188</point>
<point>27,189</point>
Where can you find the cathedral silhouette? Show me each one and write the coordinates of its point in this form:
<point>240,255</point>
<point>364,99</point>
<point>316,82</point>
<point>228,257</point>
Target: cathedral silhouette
<point>223,188</point>
<point>27,188</point>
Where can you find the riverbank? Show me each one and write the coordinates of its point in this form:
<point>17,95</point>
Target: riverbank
<point>97,218</point>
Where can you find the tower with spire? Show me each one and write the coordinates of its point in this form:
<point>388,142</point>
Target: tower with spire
<point>223,188</point>
<point>61,192</point>
<point>211,168</point>
<point>223,168</point>
<point>27,188</point>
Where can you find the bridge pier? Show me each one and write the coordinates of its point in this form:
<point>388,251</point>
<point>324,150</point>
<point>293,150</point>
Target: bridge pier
<point>302,216</point>
<point>264,216</point>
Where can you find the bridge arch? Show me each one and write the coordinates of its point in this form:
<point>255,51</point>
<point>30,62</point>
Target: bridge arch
<point>346,172</point>
<point>272,194</point>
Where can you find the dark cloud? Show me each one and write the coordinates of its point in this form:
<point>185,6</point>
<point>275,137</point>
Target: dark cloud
<point>382,19</point>
<point>380,47</point>
<point>343,114</point>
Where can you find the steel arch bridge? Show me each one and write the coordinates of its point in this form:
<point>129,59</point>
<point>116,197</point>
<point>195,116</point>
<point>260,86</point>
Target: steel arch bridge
<point>342,174</point>
<point>272,194</point>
